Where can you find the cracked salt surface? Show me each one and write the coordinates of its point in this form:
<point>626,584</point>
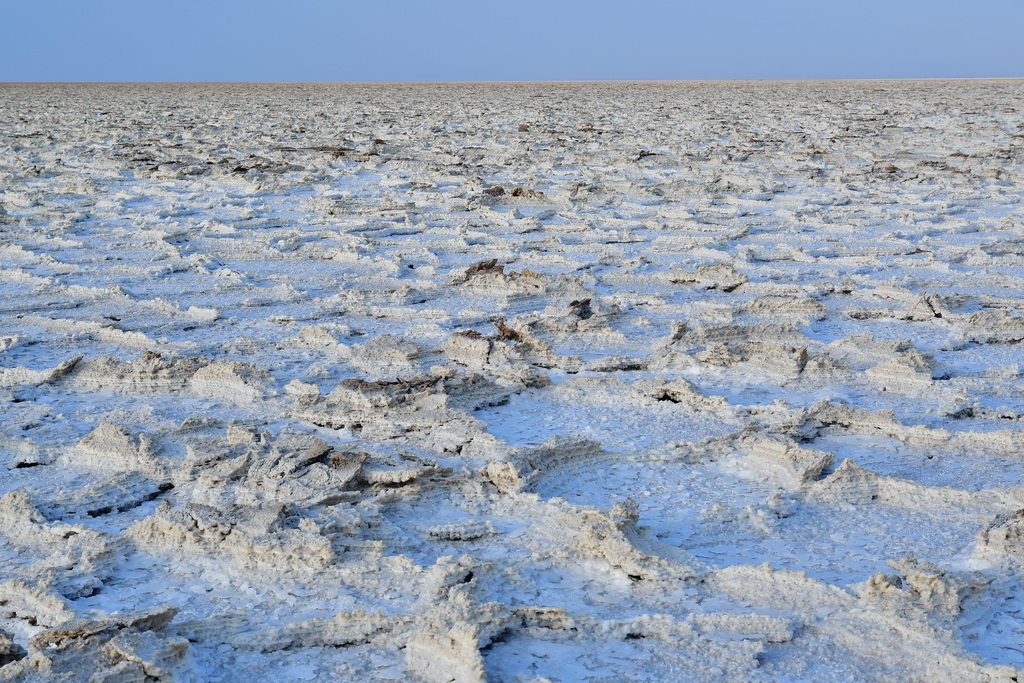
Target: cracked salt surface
<point>519,382</point>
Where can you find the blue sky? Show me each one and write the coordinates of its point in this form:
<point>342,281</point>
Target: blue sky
<point>455,40</point>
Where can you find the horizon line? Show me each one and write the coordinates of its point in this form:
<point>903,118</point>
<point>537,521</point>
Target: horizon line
<point>532,82</point>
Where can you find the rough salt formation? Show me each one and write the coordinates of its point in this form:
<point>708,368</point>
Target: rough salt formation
<point>702,382</point>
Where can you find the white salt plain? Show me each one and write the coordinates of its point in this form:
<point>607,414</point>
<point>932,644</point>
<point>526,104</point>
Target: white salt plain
<point>516,382</point>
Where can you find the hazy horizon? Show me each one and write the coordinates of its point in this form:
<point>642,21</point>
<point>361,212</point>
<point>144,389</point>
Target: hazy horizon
<point>537,82</point>
<point>454,41</point>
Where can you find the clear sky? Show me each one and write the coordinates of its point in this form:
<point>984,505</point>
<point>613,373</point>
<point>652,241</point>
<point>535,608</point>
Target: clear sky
<point>459,40</point>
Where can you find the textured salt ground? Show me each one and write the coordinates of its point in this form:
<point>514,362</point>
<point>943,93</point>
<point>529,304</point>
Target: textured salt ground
<point>589,410</point>
<point>571,463</point>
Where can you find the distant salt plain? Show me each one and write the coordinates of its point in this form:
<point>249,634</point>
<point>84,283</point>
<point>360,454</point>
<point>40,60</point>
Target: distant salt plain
<point>515,382</point>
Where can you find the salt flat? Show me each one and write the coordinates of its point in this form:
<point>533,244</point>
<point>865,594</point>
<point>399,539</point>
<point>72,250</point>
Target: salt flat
<point>524,382</point>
